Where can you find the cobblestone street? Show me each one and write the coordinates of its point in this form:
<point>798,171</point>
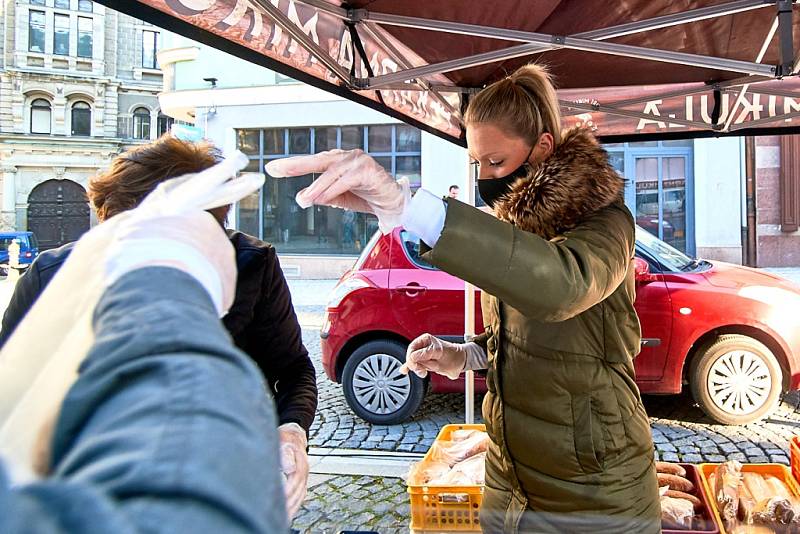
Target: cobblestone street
<point>681,433</point>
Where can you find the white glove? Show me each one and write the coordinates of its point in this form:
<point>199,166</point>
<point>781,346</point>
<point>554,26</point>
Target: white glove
<point>351,180</point>
<point>429,353</point>
<point>294,464</point>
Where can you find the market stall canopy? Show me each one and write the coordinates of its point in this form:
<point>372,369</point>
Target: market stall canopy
<point>628,68</point>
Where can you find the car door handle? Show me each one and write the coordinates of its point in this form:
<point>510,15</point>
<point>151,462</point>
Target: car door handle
<point>412,289</point>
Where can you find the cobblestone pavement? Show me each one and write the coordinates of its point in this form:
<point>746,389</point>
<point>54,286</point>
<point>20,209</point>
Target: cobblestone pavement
<point>354,503</point>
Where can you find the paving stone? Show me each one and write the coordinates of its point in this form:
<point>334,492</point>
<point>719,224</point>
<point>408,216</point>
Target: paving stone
<point>670,457</point>
<point>759,460</point>
<point>715,458</point>
<point>666,447</point>
<point>691,458</point>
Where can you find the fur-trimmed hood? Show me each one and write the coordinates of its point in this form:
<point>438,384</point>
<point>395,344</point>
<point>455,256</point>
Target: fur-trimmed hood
<point>573,183</point>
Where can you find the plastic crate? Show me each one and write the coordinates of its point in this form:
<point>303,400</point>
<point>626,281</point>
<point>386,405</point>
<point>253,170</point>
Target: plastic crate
<point>794,456</point>
<point>446,508</point>
<point>709,522</point>
<point>778,470</point>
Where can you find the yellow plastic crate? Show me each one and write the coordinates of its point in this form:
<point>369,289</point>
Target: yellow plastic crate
<point>446,508</point>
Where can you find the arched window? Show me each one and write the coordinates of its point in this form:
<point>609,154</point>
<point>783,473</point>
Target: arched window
<point>81,119</point>
<point>141,123</point>
<point>40,116</point>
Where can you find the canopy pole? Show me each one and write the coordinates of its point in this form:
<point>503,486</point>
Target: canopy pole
<point>785,41</point>
<point>469,315</point>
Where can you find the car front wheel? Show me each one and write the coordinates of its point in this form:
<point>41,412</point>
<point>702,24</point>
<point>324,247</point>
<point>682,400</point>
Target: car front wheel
<point>736,379</point>
<point>375,388</point>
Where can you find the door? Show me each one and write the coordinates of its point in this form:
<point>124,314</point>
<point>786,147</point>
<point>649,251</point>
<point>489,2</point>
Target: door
<point>58,213</point>
<point>661,199</point>
<point>654,308</point>
<point>425,299</point>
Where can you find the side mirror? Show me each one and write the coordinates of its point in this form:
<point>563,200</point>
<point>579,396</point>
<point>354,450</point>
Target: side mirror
<point>642,272</point>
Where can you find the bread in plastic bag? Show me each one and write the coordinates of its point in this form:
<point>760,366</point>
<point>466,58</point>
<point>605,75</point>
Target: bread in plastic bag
<point>676,513</point>
<point>453,452</point>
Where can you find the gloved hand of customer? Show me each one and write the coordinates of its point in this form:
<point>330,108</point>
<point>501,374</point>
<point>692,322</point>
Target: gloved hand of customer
<point>294,464</point>
<point>428,353</point>
<point>351,180</point>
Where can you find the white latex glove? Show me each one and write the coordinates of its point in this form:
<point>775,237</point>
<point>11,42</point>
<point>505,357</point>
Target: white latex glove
<point>428,353</point>
<point>294,464</point>
<point>351,180</point>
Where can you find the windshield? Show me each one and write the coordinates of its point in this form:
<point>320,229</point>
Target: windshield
<point>670,257</point>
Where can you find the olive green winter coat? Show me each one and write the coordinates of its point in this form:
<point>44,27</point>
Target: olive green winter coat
<point>571,445</point>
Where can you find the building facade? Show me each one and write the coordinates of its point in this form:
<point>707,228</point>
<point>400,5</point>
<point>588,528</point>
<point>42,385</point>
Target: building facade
<point>78,84</point>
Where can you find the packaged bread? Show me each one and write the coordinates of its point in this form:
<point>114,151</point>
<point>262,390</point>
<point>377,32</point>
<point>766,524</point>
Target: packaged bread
<point>471,471</point>
<point>453,452</point>
<point>422,473</point>
<point>676,513</point>
<point>726,493</point>
<point>769,507</point>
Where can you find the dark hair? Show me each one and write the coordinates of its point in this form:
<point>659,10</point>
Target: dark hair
<point>136,173</point>
<point>454,186</point>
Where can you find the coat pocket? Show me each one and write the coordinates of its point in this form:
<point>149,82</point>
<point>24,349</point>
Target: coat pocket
<point>590,446</point>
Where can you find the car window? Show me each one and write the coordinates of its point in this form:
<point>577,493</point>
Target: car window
<point>669,257</point>
<point>365,253</point>
<point>34,241</point>
<point>5,241</point>
<point>411,246</point>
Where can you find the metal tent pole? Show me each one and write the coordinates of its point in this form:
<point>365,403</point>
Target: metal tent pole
<point>469,315</point>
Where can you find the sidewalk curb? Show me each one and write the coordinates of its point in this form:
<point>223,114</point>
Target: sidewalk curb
<point>355,462</point>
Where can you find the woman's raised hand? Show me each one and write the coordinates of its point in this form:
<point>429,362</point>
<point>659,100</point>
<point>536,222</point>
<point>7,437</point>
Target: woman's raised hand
<point>349,179</point>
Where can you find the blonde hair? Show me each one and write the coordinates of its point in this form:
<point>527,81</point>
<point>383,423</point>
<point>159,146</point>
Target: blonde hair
<point>525,103</point>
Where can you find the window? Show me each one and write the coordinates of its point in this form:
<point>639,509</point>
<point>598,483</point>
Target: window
<point>141,123</point>
<point>84,37</point>
<point>37,2</point>
<point>659,187</point>
<point>149,49</point>
<point>40,116</point>
<point>275,216</point>
<point>62,4</point>
<point>164,124</point>
<point>81,119</point>
<point>36,31</point>
<point>85,5</point>
<point>61,35</point>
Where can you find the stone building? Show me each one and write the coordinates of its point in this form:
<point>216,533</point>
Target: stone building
<point>78,85</point>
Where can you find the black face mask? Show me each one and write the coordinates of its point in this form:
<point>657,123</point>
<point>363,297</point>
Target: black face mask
<point>492,189</point>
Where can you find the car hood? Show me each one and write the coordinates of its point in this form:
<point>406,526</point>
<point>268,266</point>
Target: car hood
<point>733,276</point>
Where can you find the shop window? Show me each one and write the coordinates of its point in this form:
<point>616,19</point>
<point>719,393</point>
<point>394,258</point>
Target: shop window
<point>85,37</point>
<point>40,116</point>
<point>81,119</point>
<point>36,28</point>
<point>149,49</point>
<point>141,123</point>
<point>275,216</point>
<point>61,35</point>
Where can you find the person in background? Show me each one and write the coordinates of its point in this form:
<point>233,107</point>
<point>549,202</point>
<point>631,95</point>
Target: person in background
<point>452,192</point>
<point>571,449</point>
<point>261,321</point>
<point>165,430</point>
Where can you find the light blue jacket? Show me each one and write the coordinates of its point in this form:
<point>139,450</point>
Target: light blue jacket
<point>167,429</point>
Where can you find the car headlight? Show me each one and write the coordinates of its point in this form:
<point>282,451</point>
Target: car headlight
<point>343,289</point>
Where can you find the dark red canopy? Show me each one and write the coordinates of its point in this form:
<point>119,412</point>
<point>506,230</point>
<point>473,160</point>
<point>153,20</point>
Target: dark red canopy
<point>628,68</point>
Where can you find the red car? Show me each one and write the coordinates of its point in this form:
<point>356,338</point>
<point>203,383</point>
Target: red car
<point>731,333</point>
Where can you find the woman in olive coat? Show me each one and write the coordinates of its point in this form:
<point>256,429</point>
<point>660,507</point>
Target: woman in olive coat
<point>571,449</point>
